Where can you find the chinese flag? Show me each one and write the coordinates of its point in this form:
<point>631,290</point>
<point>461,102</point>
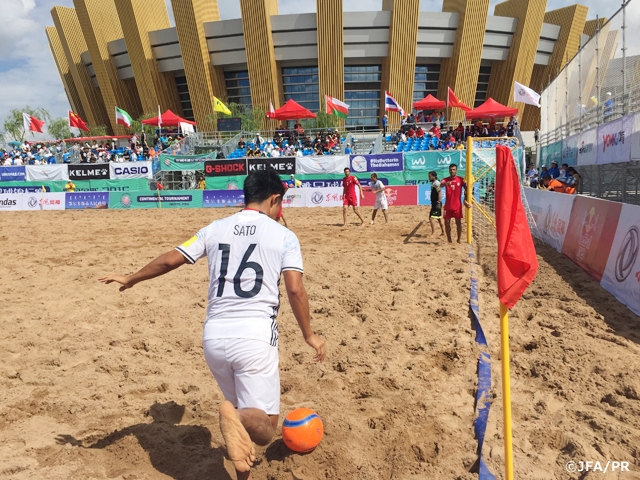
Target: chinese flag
<point>517,260</point>
<point>453,101</point>
<point>77,122</point>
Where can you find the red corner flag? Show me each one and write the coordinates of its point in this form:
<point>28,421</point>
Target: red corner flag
<point>517,261</point>
<point>77,122</point>
<point>31,123</point>
<point>453,101</point>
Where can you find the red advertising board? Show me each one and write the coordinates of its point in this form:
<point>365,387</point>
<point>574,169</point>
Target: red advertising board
<point>590,233</point>
<point>396,196</point>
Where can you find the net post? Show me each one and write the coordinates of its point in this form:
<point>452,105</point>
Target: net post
<point>469,182</point>
<point>506,391</point>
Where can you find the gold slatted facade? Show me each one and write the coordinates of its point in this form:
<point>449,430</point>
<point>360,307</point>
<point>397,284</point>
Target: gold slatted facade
<point>571,21</point>
<point>203,79</point>
<point>591,26</point>
<point>62,65</point>
<point>73,43</point>
<point>399,67</point>
<point>460,72</point>
<point>518,67</point>
<point>329,20</point>
<point>258,41</point>
<point>138,17</point>
<point>100,25</point>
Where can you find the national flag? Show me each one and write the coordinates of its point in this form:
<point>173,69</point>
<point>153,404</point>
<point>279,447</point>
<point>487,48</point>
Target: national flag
<point>123,118</point>
<point>218,106</point>
<point>32,123</point>
<point>76,122</point>
<point>391,105</point>
<point>517,260</point>
<point>452,101</point>
<point>525,95</point>
<point>271,111</point>
<point>333,106</point>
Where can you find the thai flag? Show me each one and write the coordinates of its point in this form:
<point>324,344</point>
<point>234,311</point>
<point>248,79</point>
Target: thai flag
<point>390,104</point>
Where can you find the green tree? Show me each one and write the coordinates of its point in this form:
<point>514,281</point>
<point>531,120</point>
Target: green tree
<point>97,131</point>
<point>59,128</point>
<point>322,120</point>
<point>253,119</point>
<point>138,126</point>
<point>212,119</point>
<point>14,124</point>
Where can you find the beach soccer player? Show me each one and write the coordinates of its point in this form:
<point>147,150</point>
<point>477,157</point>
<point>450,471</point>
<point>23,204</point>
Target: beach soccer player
<point>349,183</point>
<point>453,203</point>
<point>280,212</point>
<point>377,187</point>
<point>246,252</point>
<point>435,215</point>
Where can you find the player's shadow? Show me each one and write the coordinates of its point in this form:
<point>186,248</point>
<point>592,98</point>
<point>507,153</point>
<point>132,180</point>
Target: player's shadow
<point>182,452</point>
<point>415,237</point>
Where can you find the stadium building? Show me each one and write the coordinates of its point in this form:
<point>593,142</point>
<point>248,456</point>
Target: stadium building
<point>125,53</point>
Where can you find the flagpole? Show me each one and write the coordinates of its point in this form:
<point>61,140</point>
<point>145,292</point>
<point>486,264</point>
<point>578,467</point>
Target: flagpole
<point>506,391</point>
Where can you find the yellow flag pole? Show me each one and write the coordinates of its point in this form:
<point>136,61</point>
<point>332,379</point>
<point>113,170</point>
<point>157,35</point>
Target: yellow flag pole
<point>469,181</point>
<point>506,391</point>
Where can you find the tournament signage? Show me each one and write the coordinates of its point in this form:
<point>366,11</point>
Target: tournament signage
<point>434,160</point>
<point>130,170</point>
<point>223,198</point>
<point>88,171</point>
<point>388,162</point>
<point>614,143</point>
<point>12,174</point>
<point>36,173</point>
<point>225,168</point>
<point>166,199</point>
<point>84,200</point>
<point>284,166</point>
<point>184,162</point>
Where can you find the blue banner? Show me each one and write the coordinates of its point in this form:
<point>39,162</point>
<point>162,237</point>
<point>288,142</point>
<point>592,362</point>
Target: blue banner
<point>12,174</point>
<point>223,198</point>
<point>382,162</point>
<point>82,200</point>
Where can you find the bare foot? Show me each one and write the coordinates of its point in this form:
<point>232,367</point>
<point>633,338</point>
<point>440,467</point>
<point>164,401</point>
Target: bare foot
<point>239,445</point>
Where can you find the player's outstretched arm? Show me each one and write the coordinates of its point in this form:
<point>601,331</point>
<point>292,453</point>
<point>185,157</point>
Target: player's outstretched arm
<point>161,265</point>
<point>299,302</point>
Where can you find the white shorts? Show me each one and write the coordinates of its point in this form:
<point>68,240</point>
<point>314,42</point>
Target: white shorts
<point>381,204</point>
<point>247,372</point>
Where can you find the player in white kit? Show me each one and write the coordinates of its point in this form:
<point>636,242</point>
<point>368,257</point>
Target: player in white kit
<point>247,252</point>
<point>381,203</point>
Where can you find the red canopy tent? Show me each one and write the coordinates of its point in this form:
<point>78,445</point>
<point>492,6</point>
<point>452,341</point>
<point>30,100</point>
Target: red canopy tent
<point>168,119</point>
<point>291,111</point>
<point>491,109</point>
<point>429,103</point>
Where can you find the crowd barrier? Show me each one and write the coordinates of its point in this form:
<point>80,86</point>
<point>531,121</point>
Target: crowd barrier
<point>612,142</point>
<point>600,236</point>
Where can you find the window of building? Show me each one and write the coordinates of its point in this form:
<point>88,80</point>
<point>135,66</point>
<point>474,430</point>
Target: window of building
<point>238,88</point>
<point>185,100</point>
<point>425,81</point>
<point>483,86</point>
<point>362,84</point>
<point>301,85</point>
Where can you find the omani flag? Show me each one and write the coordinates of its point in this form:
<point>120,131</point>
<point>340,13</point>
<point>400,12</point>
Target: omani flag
<point>333,106</point>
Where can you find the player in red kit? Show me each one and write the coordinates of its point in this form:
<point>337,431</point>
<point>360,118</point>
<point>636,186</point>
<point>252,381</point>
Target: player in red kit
<point>453,207</point>
<point>349,183</point>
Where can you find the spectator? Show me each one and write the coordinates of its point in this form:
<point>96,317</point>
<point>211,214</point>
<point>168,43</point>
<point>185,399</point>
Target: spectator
<point>511,127</point>
<point>419,132</point>
<point>241,143</point>
<point>573,179</point>
<point>544,172</point>
<point>536,135</point>
<point>258,140</point>
<point>411,133</point>
<point>435,131</point>
<point>202,184</point>
<point>348,150</point>
<point>554,171</point>
<point>298,152</point>
<point>385,120</point>
<point>69,187</point>
<point>557,186</point>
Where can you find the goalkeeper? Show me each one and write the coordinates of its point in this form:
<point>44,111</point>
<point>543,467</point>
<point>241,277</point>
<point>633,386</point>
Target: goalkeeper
<point>436,203</point>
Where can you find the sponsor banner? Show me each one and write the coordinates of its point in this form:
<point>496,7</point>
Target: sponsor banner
<point>614,144</point>
<point>590,233</point>
<point>587,147</point>
<point>35,173</point>
<point>127,185</point>
<point>396,196</point>
<point>235,182</point>
<point>434,160</point>
<point>622,273</point>
<point>570,150</point>
<point>223,198</point>
<point>43,201</point>
<point>322,164</point>
<point>184,162</point>
<point>551,153</point>
<point>82,200</point>
<point>387,162</point>
<point>225,168</point>
<point>131,170</point>
<point>10,202</point>
<point>284,166</point>
<point>323,197</point>
<point>552,212</point>
<point>295,197</point>
<point>166,199</point>
<point>12,174</point>
<point>88,171</point>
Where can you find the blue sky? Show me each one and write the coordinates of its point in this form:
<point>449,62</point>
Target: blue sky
<point>28,74</point>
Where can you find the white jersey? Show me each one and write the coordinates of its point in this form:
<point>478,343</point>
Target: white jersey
<point>247,253</point>
<point>380,196</point>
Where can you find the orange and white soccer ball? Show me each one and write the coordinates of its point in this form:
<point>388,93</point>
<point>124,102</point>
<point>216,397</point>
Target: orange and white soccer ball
<point>302,430</point>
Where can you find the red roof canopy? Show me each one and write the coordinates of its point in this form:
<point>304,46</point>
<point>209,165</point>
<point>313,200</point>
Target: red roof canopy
<point>429,103</point>
<point>292,111</point>
<point>169,119</point>
<point>490,109</point>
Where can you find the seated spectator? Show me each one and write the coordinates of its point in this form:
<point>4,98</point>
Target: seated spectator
<point>554,171</point>
<point>435,131</point>
<point>276,152</point>
<point>574,178</point>
<point>419,132</point>
<point>241,143</point>
<point>348,150</point>
<point>556,186</point>
<point>298,152</point>
<point>460,145</point>
<point>544,172</point>
<point>411,133</point>
<point>411,119</point>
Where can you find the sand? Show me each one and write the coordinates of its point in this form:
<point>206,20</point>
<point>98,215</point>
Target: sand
<point>100,384</point>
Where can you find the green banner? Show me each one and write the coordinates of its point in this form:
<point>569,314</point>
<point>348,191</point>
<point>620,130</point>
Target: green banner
<point>48,185</point>
<point>124,185</point>
<point>184,162</point>
<point>156,199</point>
<point>234,182</point>
<point>434,160</point>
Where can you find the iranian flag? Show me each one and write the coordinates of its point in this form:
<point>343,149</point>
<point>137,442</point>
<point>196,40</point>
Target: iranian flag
<point>333,106</point>
<point>31,123</point>
<point>123,118</point>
